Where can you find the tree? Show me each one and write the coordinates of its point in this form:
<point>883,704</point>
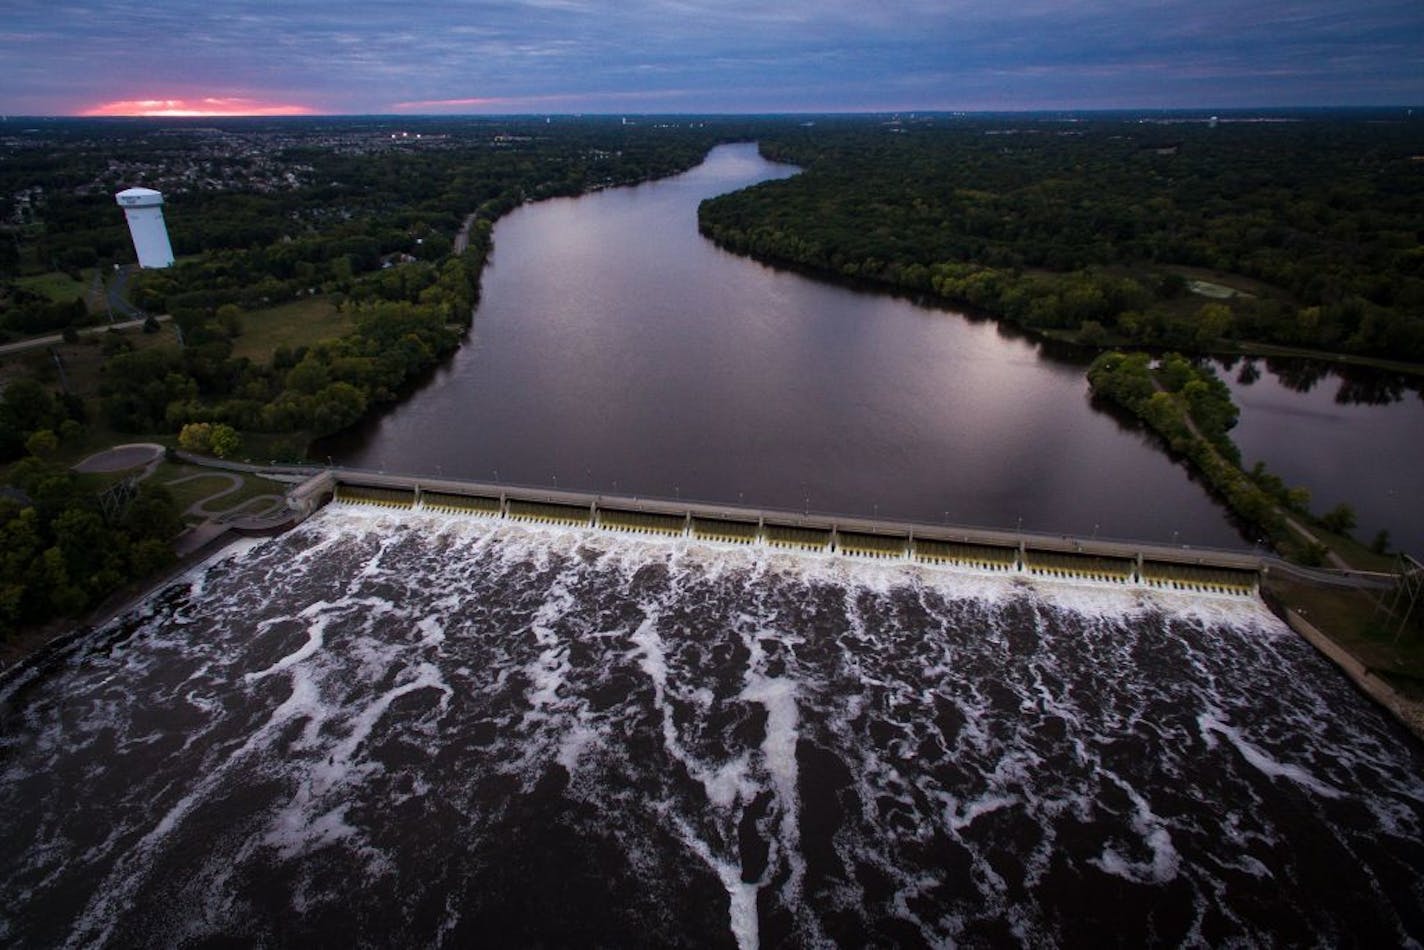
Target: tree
<point>1380,545</point>
<point>309,376</point>
<point>1340,519</point>
<point>1213,323</point>
<point>196,437</point>
<point>229,317</point>
<point>225,441</point>
<point>42,442</point>
<point>28,404</point>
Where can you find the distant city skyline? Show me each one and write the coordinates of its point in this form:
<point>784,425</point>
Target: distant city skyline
<point>182,57</point>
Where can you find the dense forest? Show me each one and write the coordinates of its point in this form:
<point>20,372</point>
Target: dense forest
<point>1305,230</point>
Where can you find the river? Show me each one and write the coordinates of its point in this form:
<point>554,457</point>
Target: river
<point>615,349</point>
<point>395,729</point>
<point>1350,435</point>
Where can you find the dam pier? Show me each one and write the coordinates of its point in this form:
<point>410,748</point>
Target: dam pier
<point>979,549</point>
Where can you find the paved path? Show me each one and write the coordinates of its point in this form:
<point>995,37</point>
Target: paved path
<point>119,294</point>
<point>203,508</point>
<point>462,240</point>
<point>1334,559</point>
<point>1330,555</point>
<point>35,342</point>
<point>121,458</point>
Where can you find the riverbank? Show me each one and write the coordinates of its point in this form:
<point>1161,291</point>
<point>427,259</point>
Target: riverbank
<point>1191,411</point>
<point>1384,662</point>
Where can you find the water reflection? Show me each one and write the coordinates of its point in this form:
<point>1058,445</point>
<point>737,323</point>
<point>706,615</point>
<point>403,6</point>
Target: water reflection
<point>1350,434</point>
<point>1356,385</point>
<point>617,349</point>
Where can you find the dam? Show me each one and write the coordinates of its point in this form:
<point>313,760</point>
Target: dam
<point>1028,554</point>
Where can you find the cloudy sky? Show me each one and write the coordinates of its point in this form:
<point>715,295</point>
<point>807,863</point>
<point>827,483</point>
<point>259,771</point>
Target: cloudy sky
<point>502,56</point>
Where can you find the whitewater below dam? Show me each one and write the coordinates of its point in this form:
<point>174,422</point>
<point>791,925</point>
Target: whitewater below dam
<point>398,729</point>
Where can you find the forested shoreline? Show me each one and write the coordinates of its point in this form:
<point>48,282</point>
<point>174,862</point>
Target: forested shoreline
<point>356,221</point>
<point>1172,233</point>
<point>1097,228</point>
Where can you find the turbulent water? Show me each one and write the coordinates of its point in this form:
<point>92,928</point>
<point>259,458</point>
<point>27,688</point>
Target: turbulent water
<point>387,729</point>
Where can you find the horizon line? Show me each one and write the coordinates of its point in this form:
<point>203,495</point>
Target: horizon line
<point>592,113</point>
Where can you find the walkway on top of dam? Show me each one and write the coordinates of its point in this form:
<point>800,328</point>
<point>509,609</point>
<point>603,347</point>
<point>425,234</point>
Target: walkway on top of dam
<point>594,509</point>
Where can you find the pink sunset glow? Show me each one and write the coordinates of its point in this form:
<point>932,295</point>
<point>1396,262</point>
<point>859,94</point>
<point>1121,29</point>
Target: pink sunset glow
<point>180,108</point>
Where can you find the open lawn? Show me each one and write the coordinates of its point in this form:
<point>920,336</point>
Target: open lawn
<point>57,285</point>
<point>1235,283</point>
<point>299,323</point>
<point>190,484</point>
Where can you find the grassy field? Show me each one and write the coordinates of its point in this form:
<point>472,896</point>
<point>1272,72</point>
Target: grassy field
<point>1356,621</point>
<point>57,285</point>
<point>194,489</point>
<point>299,323</point>
<point>208,482</point>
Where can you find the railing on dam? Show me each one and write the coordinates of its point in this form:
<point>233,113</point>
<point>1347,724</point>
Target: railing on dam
<point>1100,561</point>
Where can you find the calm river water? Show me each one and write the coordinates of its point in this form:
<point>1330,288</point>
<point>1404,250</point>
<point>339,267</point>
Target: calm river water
<point>1356,438</point>
<point>615,348</point>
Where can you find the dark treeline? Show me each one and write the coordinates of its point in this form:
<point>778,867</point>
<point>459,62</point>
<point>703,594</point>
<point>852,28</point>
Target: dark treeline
<point>62,551</point>
<point>1090,227</point>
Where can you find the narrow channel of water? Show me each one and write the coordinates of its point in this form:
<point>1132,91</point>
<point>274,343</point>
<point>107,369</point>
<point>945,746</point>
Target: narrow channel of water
<point>617,350</point>
<point>1355,437</point>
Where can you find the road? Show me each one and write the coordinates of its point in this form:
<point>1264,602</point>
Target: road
<point>462,240</point>
<point>118,295</point>
<point>36,342</point>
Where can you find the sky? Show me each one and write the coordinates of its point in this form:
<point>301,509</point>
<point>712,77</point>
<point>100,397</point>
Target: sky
<point>110,57</point>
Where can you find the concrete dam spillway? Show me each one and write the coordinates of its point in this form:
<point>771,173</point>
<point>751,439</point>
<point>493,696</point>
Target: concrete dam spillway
<point>1104,562</point>
<point>474,718</point>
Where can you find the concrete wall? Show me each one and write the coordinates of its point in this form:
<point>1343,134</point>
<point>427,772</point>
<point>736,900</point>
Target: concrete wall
<point>1112,562</point>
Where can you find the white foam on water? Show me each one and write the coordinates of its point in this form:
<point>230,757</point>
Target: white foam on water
<point>95,923</point>
<point>432,631</point>
<point>958,703</point>
<point>742,897</point>
<point>318,616</point>
<point>1210,722</point>
<point>237,550</point>
<point>725,783</point>
<point>777,695</point>
<point>315,816</point>
<point>577,740</point>
<point>961,815</point>
<point>1165,862</point>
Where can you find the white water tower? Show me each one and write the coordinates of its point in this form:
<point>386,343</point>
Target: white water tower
<point>144,209</point>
